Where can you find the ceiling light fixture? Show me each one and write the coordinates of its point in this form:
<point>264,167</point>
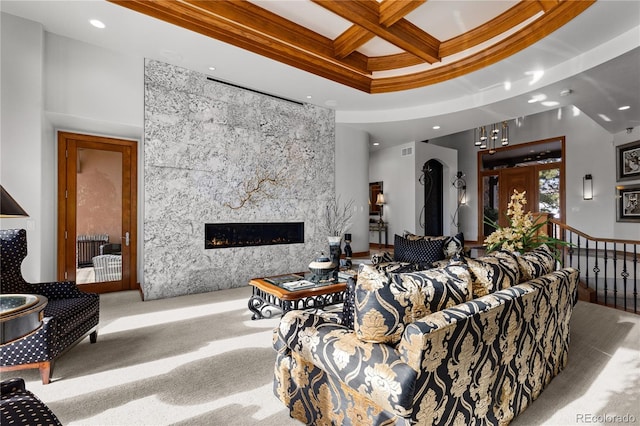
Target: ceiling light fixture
<point>97,23</point>
<point>535,76</point>
<point>436,127</point>
<point>604,117</point>
<point>376,143</point>
<point>550,103</point>
<point>566,92</point>
<point>212,68</point>
<point>624,108</point>
<point>498,131</point>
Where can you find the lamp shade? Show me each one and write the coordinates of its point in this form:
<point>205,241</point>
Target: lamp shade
<point>380,200</point>
<point>9,207</point>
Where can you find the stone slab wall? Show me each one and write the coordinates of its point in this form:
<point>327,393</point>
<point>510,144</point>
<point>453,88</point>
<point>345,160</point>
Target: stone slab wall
<point>214,153</point>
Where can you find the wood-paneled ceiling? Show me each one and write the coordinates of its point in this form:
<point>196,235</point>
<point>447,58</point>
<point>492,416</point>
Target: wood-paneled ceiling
<point>374,46</point>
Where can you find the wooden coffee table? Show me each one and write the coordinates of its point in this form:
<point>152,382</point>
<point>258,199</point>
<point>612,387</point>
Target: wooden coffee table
<point>269,295</point>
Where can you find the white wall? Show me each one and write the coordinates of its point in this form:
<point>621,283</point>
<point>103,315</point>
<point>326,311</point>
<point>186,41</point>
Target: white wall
<point>589,150</point>
<point>403,194</point>
<point>449,159</point>
<point>352,180</point>
<point>21,163</point>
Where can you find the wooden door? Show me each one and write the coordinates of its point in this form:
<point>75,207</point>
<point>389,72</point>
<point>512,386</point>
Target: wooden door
<point>97,228</point>
<point>517,179</point>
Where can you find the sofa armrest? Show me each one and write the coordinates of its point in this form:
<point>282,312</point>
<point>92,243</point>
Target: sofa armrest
<point>373,370</point>
<point>58,290</point>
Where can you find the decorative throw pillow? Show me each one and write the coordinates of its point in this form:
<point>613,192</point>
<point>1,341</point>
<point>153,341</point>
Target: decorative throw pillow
<point>492,273</point>
<point>384,257</point>
<point>453,246</point>
<point>385,305</point>
<point>418,251</point>
<point>535,263</point>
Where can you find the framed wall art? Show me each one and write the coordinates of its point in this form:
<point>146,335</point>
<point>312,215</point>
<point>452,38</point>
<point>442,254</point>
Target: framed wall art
<point>628,161</point>
<point>628,203</point>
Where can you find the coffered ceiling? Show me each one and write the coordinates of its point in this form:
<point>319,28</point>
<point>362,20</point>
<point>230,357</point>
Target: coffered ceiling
<point>400,70</point>
<point>373,46</point>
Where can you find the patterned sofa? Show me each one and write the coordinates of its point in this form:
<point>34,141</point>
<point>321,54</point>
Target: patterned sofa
<point>418,354</point>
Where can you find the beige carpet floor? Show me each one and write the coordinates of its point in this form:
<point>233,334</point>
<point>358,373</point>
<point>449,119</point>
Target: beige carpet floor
<point>201,360</point>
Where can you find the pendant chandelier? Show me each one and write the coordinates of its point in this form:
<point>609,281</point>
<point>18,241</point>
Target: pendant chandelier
<point>483,138</point>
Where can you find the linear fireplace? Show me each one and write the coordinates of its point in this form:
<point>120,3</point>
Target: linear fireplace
<point>223,235</point>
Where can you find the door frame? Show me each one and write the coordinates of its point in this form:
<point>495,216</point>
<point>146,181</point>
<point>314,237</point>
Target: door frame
<point>66,235</point>
<point>531,200</point>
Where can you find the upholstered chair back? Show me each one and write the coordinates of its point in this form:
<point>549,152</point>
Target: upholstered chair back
<point>14,250</point>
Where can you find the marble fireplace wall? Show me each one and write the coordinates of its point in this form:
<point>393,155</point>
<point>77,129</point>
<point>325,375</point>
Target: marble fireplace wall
<point>215,153</point>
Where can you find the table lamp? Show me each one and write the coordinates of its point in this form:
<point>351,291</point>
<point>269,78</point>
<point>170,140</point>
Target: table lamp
<point>380,202</point>
<point>9,207</point>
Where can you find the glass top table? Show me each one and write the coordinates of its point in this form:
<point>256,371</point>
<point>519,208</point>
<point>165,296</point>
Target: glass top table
<point>20,315</point>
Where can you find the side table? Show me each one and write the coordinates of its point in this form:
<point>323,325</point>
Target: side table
<point>20,315</point>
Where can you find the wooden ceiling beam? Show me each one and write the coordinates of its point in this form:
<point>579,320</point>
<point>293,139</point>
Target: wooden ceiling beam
<point>501,23</point>
<point>247,15</point>
<point>557,17</point>
<point>391,11</point>
<point>347,42</point>
<point>402,34</point>
<point>186,16</point>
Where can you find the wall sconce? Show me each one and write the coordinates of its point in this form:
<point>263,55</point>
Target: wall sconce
<point>461,185</point>
<point>587,187</point>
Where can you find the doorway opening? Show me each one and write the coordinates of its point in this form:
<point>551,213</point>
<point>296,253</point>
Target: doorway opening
<point>97,208</point>
<point>535,167</point>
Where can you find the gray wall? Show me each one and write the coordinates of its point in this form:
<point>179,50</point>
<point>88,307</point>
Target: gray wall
<point>206,144</point>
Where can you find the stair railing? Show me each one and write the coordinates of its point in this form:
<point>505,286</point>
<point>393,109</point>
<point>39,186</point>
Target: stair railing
<point>608,267</point>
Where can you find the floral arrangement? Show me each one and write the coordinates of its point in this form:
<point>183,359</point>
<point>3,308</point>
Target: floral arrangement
<point>522,233</point>
<point>337,218</point>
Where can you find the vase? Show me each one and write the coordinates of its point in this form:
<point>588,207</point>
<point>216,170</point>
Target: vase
<point>335,251</point>
<point>348,252</point>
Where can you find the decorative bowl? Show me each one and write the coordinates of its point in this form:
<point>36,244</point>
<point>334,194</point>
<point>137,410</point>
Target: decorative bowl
<point>322,267</point>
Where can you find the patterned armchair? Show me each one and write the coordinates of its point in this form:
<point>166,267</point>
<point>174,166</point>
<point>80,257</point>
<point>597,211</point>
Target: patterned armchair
<point>69,316</point>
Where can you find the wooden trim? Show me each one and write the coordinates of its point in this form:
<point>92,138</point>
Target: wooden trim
<point>67,146</point>
<point>504,22</point>
<point>563,225</point>
<point>522,39</point>
<point>390,12</point>
<point>482,173</point>
<point>347,42</point>
<point>284,294</point>
<point>403,33</point>
<point>248,26</point>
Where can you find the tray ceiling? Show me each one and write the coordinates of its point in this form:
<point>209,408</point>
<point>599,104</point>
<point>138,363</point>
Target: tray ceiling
<point>376,47</point>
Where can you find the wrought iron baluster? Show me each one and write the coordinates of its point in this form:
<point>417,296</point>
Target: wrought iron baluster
<point>624,274</point>
<point>635,278</point>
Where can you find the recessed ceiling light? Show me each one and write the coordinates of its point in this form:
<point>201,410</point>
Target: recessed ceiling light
<point>212,68</point>
<point>537,98</point>
<point>376,143</point>
<point>96,23</point>
<point>309,96</point>
<point>507,85</point>
<point>624,108</point>
<point>550,103</point>
<point>604,117</point>
<point>436,127</point>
